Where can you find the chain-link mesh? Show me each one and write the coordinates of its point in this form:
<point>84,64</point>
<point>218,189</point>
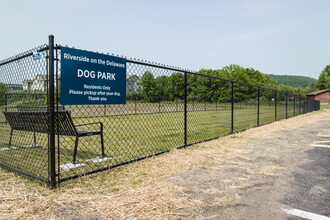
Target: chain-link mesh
<point>281,105</point>
<point>266,106</point>
<point>208,108</point>
<point>23,90</point>
<point>165,108</point>
<point>245,106</point>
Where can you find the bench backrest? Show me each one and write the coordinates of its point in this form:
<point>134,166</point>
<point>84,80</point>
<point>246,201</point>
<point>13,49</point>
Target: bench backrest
<point>37,109</point>
<point>38,121</point>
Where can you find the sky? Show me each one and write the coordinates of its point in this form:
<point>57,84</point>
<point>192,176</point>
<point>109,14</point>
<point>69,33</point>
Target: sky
<point>289,37</point>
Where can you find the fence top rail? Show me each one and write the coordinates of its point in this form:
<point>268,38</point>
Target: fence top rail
<point>23,55</point>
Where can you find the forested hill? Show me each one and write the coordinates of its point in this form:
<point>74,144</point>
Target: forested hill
<point>294,81</point>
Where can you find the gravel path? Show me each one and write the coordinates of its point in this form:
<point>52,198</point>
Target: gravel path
<point>262,180</point>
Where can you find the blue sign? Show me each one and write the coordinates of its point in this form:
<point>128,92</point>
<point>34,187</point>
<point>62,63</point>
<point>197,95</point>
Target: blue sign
<point>89,78</point>
<point>36,55</point>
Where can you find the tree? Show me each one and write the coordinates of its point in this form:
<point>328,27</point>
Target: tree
<point>176,86</point>
<point>285,88</point>
<point>299,91</point>
<point>324,79</point>
<point>149,86</point>
<point>162,87</point>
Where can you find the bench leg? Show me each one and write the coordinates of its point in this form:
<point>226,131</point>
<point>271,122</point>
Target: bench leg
<point>102,145</point>
<point>11,134</point>
<point>75,150</point>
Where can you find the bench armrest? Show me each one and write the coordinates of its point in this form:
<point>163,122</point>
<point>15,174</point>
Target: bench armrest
<point>101,125</point>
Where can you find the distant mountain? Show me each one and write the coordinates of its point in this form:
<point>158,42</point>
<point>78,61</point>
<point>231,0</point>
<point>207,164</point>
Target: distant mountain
<point>294,81</point>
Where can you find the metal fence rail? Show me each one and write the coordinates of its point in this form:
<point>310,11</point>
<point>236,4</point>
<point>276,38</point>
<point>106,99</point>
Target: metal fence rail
<point>188,108</point>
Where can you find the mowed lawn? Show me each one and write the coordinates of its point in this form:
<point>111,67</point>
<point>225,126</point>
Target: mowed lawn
<point>127,137</point>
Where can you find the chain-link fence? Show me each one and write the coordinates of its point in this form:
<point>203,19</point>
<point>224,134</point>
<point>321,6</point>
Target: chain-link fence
<point>23,85</point>
<point>165,108</point>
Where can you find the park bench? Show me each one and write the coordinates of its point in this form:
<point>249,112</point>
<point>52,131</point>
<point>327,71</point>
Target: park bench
<point>36,120</point>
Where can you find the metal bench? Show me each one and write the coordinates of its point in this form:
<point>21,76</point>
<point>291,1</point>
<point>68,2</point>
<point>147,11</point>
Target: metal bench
<point>38,122</point>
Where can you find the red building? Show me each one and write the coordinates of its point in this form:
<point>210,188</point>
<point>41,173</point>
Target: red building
<point>321,95</point>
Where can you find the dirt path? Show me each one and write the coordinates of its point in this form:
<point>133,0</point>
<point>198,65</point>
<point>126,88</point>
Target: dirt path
<point>242,176</point>
<point>252,184</point>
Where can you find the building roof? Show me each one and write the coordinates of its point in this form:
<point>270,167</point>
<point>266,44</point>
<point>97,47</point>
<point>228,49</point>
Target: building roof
<point>130,76</point>
<point>318,92</point>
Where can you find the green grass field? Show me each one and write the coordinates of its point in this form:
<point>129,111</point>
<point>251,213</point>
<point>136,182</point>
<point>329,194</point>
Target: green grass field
<point>129,137</point>
<point>325,106</point>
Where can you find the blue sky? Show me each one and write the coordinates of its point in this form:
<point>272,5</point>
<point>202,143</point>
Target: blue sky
<point>273,36</point>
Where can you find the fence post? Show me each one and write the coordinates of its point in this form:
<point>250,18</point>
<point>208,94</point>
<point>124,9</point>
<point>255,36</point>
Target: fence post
<point>6,102</point>
<point>258,105</point>
<point>307,105</point>
<point>303,106</point>
<point>294,105</point>
<point>286,105</point>
<point>52,114</point>
<point>232,107</point>
<point>135,104</point>
<point>185,109</point>
<point>275,105</point>
<point>299,105</point>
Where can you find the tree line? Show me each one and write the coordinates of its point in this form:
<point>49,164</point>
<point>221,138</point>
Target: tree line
<point>200,88</point>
